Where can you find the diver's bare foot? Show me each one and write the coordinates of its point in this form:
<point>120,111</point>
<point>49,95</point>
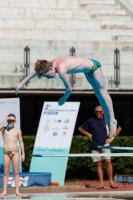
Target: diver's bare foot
<point>3,194</point>
<point>18,194</point>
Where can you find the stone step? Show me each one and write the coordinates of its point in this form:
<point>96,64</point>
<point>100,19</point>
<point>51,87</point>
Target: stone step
<point>127,48</point>
<point>117,22</point>
<point>63,4</point>
<point>40,13</point>
<point>45,13</point>
<point>12,68</point>
<point>128,38</point>
<point>117,25</point>
<point>53,24</point>
<point>126,80</point>
<point>99,7</point>
<point>115,32</point>
<point>103,52</point>
<point>66,24</point>
<point>48,44</point>
<point>74,35</point>
<point>39,48</point>
<point>103,2</point>
<point>49,24</point>
<point>126,70</point>
<point>111,17</point>
<point>15,62</point>
<point>108,59</point>
<point>108,12</point>
<point>84,46</point>
<point>128,5</point>
<point>9,81</point>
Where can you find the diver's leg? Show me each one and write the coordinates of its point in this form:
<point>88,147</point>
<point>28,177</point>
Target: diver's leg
<point>98,83</point>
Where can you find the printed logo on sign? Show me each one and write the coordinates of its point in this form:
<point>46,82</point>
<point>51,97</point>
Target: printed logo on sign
<point>56,128</point>
<point>47,106</point>
<point>65,127</point>
<point>59,120</point>
<point>52,110</point>
<point>64,133</point>
<point>23,181</point>
<point>67,121</point>
<point>55,133</point>
<point>49,110</point>
<point>46,127</point>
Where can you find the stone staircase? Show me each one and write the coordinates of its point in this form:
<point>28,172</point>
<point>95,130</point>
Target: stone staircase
<point>50,28</point>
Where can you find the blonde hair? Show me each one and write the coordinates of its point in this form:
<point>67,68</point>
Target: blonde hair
<point>42,67</point>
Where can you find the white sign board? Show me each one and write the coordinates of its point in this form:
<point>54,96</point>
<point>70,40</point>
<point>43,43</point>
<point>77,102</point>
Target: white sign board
<point>54,136</point>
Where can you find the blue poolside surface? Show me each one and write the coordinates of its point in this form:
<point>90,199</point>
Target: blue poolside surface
<point>75,196</point>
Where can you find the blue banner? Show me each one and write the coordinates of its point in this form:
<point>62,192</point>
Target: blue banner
<point>27,179</point>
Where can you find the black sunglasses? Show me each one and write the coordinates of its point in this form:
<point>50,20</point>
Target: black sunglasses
<point>11,121</point>
<point>98,111</point>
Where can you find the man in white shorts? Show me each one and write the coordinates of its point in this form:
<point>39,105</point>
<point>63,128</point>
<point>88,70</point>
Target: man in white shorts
<point>95,129</point>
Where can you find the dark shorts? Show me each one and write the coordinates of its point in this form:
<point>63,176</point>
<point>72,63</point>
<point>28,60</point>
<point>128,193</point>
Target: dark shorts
<point>96,65</point>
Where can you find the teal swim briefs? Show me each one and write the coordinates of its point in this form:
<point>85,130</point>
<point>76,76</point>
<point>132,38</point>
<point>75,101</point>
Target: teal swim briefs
<point>96,65</point>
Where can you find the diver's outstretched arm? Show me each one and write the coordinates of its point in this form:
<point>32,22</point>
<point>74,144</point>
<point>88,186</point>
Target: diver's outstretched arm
<point>22,83</point>
<point>64,77</point>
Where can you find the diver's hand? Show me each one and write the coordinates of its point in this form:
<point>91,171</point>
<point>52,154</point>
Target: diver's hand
<point>19,87</point>
<point>61,101</point>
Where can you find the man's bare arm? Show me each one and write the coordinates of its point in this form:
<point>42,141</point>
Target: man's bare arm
<point>118,130</point>
<point>21,145</point>
<point>22,83</point>
<point>81,130</point>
